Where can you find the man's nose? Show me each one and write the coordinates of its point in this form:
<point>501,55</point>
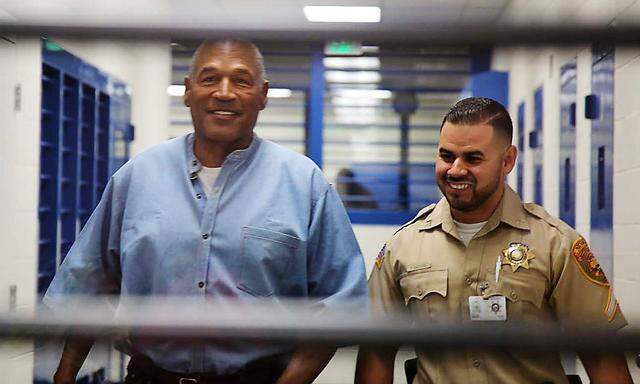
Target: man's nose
<point>457,169</point>
<point>224,91</point>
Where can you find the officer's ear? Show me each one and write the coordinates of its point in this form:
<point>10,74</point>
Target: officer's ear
<point>187,91</point>
<point>509,159</point>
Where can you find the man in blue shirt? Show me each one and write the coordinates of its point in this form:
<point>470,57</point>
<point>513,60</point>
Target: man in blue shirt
<point>217,213</point>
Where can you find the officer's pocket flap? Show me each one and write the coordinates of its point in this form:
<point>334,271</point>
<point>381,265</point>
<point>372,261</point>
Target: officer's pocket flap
<point>419,285</point>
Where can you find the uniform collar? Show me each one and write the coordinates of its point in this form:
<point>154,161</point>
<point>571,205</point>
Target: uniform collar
<point>235,157</point>
<point>510,211</point>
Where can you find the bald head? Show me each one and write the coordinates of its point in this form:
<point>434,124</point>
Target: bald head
<point>225,45</point>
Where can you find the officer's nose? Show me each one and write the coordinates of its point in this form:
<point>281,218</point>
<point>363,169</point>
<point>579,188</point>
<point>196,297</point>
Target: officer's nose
<point>224,91</point>
<point>457,169</point>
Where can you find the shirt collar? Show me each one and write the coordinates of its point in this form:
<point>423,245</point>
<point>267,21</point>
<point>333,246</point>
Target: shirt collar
<point>510,211</point>
<point>235,157</point>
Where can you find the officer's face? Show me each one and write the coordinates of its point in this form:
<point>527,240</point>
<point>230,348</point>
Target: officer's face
<point>471,166</point>
<point>225,94</point>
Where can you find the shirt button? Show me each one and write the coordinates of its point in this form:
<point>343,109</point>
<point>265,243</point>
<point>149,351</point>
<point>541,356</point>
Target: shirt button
<point>468,280</point>
<point>198,196</point>
<point>476,363</point>
<point>420,291</point>
<point>205,236</point>
<point>201,284</point>
<point>514,295</point>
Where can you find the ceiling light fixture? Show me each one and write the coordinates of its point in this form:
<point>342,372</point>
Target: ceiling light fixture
<point>342,14</point>
<point>352,62</point>
<point>279,93</point>
<point>176,90</point>
<point>361,77</point>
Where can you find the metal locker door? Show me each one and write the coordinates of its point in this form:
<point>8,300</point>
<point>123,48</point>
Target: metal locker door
<point>600,110</point>
<point>567,182</point>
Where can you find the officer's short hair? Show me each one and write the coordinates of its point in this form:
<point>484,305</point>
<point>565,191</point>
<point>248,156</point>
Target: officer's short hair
<point>481,110</point>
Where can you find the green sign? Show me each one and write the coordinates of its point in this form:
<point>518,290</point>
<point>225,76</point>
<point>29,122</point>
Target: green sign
<point>343,48</point>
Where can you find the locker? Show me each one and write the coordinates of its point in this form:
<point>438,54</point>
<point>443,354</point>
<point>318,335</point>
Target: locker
<point>567,173</point>
<point>535,143</point>
<point>85,113</point>
<point>601,241</point>
<point>521,149</point>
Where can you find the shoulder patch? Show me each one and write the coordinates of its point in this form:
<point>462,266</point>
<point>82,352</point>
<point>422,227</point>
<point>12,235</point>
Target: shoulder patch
<point>380,257</point>
<point>587,262</point>
<point>423,212</point>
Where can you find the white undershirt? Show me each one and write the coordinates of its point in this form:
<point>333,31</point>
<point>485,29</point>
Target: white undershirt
<point>467,231</point>
<point>208,177</point>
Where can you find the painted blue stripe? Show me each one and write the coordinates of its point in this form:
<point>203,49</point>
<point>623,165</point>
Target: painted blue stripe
<point>316,108</point>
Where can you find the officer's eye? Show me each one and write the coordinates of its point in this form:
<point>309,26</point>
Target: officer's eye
<point>474,159</point>
<point>446,157</point>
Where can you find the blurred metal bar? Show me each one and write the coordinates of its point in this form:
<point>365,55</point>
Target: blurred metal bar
<point>297,321</point>
<point>425,33</point>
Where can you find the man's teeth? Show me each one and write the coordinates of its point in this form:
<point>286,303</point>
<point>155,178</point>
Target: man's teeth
<point>459,186</point>
<point>226,113</point>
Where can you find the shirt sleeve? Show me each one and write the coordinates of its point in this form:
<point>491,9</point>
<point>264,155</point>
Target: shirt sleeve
<point>384,290</point>
<point>92,265</point>
<point>335,267</point>
<point>582,294</point>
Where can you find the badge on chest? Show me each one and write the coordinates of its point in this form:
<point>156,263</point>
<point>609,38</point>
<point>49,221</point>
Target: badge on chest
<point>492,308</point>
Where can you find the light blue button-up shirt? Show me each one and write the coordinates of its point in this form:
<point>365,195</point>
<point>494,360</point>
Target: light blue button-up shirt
<point>273,226</point>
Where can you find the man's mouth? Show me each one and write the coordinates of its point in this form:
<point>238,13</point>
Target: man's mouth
<point>459,186</point>
<point>223,113</point>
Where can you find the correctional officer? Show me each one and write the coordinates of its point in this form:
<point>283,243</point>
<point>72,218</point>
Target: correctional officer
<point>216,213</point>
<point>480,254</point>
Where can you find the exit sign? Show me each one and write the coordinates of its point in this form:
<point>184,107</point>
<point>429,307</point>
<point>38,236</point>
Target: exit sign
<point>343,48</point>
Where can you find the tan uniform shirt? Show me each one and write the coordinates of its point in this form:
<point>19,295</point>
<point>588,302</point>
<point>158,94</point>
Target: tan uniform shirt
<point>426,269</point>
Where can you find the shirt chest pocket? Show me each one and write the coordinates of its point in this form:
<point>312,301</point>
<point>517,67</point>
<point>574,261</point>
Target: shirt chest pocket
<point>265,260</point>
<point>425,291</point>
<point>525,296</point>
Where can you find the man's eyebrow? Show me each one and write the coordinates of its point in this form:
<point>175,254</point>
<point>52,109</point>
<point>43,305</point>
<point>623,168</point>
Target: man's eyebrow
<point>473,153</point>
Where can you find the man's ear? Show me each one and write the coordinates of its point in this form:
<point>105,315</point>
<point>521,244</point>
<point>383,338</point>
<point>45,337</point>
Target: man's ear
<point>264,93</point>
<point>509,159</point>
<point>187,90</point>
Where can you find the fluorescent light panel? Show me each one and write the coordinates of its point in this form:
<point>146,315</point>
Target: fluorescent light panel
<point>364,93</point>
<point>175,90</point>
<point>361,77</point>
<point>352,62</point>
<point>279,93</point>
<point>341,14</point>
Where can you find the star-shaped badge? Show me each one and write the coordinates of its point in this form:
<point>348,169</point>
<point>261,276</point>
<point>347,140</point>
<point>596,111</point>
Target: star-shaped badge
<point>517,255</point>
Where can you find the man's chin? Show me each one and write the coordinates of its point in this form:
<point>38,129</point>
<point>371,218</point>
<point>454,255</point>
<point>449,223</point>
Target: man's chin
<point>459,204</point>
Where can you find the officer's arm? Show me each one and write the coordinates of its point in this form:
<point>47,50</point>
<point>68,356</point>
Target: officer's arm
<point>606,368</point>
<point>73,355</point>
<point>306,364</point>
<point>375,365</point>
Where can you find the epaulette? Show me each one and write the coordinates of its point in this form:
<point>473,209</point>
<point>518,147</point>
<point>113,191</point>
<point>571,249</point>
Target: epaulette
<point>542,214</point>
<point>423,212</point>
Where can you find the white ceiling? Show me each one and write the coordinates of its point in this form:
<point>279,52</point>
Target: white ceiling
<point>413,20</point>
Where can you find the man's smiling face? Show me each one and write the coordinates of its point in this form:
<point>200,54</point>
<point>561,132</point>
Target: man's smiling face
<point>471,165</point>
<point>225,92</point>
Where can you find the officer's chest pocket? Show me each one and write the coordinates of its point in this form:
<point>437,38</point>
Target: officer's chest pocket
<point>525,295</point>
<point>265,260</point>
<point>425,292</point>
